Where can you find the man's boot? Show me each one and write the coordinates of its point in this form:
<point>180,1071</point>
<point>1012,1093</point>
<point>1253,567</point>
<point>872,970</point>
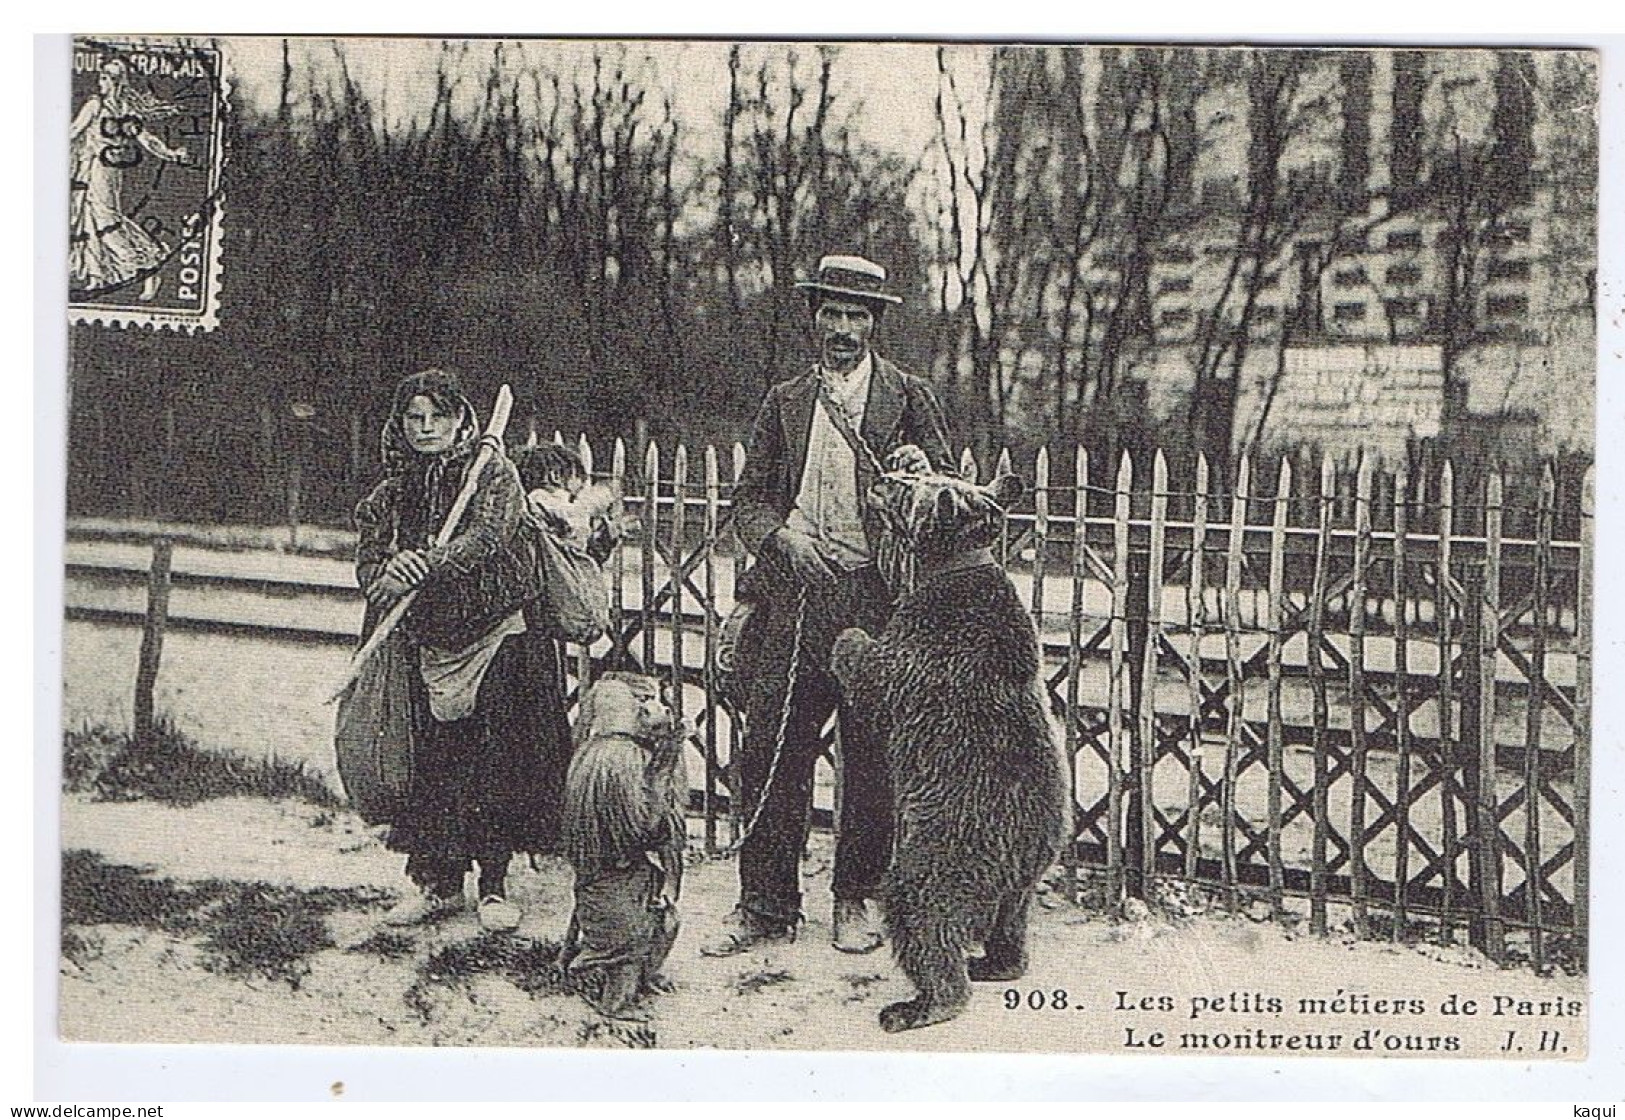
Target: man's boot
<point>855,930</point>
<point>742,930</point>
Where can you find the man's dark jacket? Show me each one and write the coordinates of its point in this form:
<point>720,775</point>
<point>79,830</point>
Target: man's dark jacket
<point>900,409</point>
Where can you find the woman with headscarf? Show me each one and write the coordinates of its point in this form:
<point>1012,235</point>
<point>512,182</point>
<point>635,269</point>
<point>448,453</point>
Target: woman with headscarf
<point>491,740</point>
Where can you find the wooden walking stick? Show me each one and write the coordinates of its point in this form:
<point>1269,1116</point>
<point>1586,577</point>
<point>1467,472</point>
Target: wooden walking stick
<point>490,443</point>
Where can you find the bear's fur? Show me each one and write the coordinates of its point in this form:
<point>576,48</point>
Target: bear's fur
<point>978,776</point>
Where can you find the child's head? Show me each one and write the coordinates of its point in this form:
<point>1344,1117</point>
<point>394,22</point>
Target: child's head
<point>550,466</point>
<point>621,703</point>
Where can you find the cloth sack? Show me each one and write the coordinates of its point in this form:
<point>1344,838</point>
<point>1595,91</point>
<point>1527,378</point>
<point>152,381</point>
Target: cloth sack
<point>373,737</point>
<point>574,602</point>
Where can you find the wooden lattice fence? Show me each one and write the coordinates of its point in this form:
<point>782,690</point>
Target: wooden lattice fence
<point>1370,691</point>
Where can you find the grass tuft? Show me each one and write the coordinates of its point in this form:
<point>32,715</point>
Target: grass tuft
<point>633,1036</point>
<point>79,949</point>
<point>749,983</point>
<point>272,931</point>
<point>248,929</point>
<point>386,945</point>
<point>171,768</point>
<point>95,892</point>
<point>530,965</point>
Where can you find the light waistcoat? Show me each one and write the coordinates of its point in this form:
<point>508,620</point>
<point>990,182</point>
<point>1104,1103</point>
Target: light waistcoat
<point>827,504</point>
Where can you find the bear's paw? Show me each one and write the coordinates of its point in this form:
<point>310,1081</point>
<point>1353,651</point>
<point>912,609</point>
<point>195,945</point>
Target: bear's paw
<point>983,969</point>
<point>848,653</point>
<point>913,1013</point>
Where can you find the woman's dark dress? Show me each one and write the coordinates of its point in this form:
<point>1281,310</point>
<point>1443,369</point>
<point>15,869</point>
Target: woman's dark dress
<point>490,784</point>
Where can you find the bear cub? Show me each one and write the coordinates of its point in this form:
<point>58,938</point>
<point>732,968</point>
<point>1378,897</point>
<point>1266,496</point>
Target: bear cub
<point>979,782</point>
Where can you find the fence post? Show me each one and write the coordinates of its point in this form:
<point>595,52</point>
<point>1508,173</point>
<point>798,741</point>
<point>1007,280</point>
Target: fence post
<point>1402,703</point>
<point>1074,649</point>
<point>1534,877</point>
<point>1357,739</point>
<point>1276,733</point>
<point>1119,826</point>
<point>1196,618</point>
<point>736,736</point>
<point>650,551</point>
<point>1484,609</point>
<point>152,638</point>
<point>1449,781</point>
<point>1317,682</point>
<point>1234,684</point>
<point>674,567</point>
<point>1582,718</point>
<point>713,494</point>
<point>1150,641</point>
<point>1040,541</point>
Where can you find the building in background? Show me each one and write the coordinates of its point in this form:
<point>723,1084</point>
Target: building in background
<point>1355,249</point>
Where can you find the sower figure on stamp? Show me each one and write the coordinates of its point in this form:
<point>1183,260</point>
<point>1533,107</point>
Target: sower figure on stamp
<point>816,446</point>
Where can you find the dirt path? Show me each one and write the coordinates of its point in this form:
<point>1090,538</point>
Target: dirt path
<point>449,985</point>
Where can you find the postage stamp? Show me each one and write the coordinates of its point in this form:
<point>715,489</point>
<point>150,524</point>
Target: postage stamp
<point>822,547</point>
<point>147,151</point>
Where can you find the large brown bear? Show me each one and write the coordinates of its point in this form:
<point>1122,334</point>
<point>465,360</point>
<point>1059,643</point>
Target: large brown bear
<point>978,777</point>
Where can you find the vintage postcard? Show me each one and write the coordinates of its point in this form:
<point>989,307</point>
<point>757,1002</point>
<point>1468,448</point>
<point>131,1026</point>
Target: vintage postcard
<point>830,546</point>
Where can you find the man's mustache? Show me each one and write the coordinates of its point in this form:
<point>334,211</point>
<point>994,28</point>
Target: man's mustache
<point>840,340</point>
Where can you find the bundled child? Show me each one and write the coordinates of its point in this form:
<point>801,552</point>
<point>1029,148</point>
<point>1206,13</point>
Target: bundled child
<point>562,499</point>
<point>624,835</point>
<point>569,532</point>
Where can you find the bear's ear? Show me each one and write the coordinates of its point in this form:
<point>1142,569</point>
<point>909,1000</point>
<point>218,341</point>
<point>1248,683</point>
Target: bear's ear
<point>1007,490</point>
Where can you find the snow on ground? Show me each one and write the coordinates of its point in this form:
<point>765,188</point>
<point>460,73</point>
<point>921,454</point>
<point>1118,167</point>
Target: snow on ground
<point>141,985</point>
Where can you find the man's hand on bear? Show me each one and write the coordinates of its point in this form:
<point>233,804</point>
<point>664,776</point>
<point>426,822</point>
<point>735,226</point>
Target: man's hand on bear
<point>803,556</point>
<point>909,459</point>
<point>849,649</point>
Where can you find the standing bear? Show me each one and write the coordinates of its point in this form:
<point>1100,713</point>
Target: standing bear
<point>979,781</point>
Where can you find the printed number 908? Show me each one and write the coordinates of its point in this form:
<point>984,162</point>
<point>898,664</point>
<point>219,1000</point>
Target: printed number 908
<point>1036,999</point>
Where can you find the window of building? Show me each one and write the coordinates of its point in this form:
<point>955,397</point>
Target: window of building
<point>1405,239</point>
<point>1348,312</point>
<point>1349,277</point>
<point>1175,284</point>
<point>1177,254</point>
<point>1349,241</point>
<point>1403,308</point>
<point>1508,270</point>
<point>1504,307</point>
<point>1174,317</point>
<point>1266,313</point>
<point>1270,280</point>
<point>1401,274</point>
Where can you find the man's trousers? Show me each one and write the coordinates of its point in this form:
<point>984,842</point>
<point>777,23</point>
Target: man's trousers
<point>770,857</point>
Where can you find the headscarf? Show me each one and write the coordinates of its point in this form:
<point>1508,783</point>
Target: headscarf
<point>423,476</point>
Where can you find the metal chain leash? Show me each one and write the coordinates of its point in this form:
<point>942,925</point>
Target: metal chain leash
<point>784,727</point>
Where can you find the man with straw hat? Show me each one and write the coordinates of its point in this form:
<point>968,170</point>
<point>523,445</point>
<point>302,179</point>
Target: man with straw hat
<point>818,442</point>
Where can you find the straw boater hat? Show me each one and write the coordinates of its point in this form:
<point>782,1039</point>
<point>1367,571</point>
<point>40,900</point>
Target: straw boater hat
<point>854,278</point>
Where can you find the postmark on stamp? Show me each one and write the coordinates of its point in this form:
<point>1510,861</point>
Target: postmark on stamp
<point>147,151</point>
